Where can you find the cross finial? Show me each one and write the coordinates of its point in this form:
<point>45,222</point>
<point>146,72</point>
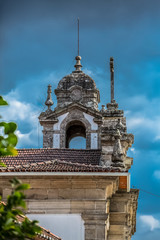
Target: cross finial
<point>112,105</point>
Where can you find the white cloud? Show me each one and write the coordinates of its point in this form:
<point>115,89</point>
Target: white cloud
<point>135,122</point>
<point>26,117</point>
<point>132,149</point>
<point>23,138</point>
<point>21,135</point>
<point>150,222</point>
<point>93,72</point>
<point>88,72</point>
<point>18,110</point>
<point>23,109</point>
<point>157,174</point>
<point>31,139</point>
<point>150,125</point>
<point>142,116</point>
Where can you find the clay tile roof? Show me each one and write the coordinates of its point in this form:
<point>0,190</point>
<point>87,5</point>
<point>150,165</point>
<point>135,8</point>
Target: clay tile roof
<point>28,156</point>
<point>59,166</point>
<point>56,160</point>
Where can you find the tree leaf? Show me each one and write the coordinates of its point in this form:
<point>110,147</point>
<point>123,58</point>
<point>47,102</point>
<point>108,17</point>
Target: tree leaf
<point>23,186</point>
<point>9,127</point>
<point>12,139</point>
<point>2,164</point>
<point>2,101</point>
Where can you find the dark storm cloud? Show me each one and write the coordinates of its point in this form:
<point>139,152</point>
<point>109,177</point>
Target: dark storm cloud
<point>38,43</point>
<point>34,32</point>
<point>112,11</point>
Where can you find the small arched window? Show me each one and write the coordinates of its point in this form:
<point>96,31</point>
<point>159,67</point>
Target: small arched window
<point>76,135</point>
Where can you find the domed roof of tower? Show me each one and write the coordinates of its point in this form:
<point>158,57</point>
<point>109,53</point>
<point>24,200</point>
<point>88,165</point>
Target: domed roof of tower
<point>78,78</point>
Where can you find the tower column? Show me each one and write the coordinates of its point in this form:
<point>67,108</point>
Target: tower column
<point>95,226</point>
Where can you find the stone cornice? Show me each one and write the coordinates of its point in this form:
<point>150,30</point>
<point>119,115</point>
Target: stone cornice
<point>72,106</point>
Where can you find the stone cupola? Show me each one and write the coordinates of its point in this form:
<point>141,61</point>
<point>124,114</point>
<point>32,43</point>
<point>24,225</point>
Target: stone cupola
<point>77,87</point>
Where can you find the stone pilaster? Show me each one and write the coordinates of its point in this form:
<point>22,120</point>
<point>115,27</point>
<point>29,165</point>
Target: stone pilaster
<point>48,136</point>
<point>123,206</point>
<point>95,226</point>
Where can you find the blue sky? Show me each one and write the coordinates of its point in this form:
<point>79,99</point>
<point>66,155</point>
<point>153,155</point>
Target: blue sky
<point>38,44</point>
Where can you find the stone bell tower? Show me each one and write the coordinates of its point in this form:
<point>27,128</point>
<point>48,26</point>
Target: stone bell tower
<point>77,114</point>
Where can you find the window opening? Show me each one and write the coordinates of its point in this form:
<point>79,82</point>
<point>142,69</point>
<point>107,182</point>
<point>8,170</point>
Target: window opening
<point>76,135</point>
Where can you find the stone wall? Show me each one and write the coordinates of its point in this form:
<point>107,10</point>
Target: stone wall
<point>107,214</point>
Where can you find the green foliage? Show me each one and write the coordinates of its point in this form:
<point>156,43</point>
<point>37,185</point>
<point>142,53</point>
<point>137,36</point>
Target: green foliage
<point>10,227</point>
<point>2,101</point>
<point>8,140</point>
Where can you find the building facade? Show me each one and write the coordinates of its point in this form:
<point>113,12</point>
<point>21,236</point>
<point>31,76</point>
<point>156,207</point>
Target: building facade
<point>93,182</point>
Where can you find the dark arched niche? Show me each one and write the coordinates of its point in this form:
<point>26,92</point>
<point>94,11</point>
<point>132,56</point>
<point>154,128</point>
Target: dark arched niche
<point>75,129</point>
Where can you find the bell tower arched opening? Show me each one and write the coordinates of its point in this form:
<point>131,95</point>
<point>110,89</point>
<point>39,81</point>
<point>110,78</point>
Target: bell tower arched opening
<point>75,129</point>
<point>78,143</point>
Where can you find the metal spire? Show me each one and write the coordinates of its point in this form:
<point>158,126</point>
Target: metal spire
<point>112,79</point>
<point>78,35</point>
<point>78,58</point>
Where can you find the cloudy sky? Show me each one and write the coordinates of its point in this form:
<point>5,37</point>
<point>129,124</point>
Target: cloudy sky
<point>38,44</point>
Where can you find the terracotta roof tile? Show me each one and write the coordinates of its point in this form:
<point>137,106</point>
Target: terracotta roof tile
<point>56,160</point>
<point>58,166</point>
<point>26,156</point>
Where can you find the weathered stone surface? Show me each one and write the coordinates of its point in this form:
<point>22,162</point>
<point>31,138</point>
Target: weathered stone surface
<point>77,86</point>
<point>52,193</point>
<point>36,193</point>
<point>75,116</point>
<point>123,208</point>
<point>108,214</point>
<point>116,237</point>
<point>78,96</point>
<point>118,154</point>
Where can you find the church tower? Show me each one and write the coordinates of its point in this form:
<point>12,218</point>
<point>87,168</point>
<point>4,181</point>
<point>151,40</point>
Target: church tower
<point>77,114</point>
<point>91,183</point>
<point>105,131</point>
